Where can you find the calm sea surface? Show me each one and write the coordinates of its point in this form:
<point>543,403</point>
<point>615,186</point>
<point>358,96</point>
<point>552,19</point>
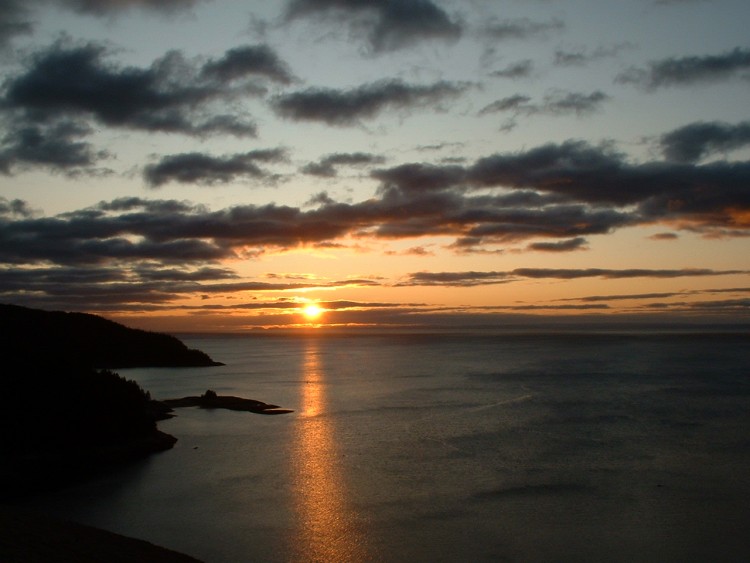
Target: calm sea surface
<point>568,447</point>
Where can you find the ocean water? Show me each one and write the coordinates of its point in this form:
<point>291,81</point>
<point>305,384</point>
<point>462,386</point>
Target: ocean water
<point>510,447</point>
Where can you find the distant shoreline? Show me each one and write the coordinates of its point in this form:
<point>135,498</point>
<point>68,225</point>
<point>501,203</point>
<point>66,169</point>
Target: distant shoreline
<point>542,329</point>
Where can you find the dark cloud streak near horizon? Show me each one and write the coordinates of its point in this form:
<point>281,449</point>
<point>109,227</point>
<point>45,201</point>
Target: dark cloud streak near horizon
<point>471,279</point>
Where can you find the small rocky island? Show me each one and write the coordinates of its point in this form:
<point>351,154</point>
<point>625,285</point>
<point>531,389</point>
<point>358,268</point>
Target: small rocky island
<point>210,400</point>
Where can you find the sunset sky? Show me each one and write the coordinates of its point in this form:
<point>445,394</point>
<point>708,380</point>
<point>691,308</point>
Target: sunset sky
<point>218,165</point>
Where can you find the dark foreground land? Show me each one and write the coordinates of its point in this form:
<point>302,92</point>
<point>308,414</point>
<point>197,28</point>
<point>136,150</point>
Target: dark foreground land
<point>26,538</point>
<point>57,338</point>
<point>65,419</point>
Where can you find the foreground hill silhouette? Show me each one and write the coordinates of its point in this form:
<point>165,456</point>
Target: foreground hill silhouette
<point>80,339</point>
<point>58,338</point>
<point>64,418</point>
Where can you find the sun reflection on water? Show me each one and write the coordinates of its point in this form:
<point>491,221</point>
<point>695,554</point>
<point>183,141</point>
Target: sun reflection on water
<point>329,530</point>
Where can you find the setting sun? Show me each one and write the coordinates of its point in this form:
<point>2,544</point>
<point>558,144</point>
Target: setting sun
<point>312,311</point>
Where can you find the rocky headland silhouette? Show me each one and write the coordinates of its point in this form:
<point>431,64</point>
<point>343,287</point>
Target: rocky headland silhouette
<point>65,415</point>
<point>31,336</point>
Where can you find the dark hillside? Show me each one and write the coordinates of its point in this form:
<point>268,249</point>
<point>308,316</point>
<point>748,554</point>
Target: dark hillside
<point>58,338</point>
<point>63,418</point>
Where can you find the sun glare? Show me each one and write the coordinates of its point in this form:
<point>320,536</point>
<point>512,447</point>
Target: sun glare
<point>312,311</point>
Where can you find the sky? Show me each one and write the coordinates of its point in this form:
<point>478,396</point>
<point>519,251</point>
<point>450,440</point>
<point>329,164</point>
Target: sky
<point>227,165</point>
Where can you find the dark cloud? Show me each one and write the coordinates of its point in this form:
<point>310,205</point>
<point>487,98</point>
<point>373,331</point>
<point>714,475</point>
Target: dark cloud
<point>558,221</point>
<point>51,106</point>
<point>348,107</point>
<point>520,69</point>
<point>176,232</point>
<point>599,176</point>
<point>663,295</point>
<point>583,57</point>
<point>199,168</point>
<point>16,16</point>
<point>105,7</point>
<point>557,102</point>
<point>165,231</point>
<point>249,60</point>
<point>326,166</point>
<point>440,146</point>
<point>55,146</point>
<point>569,274</point>
<point>515,103</point>
<point>389,24</point>
<point>723,304</point>
<point>145,286</point>
<point>14,208</point>
<point>405,22</point>
<point>699,140</point>
<point>664,236</point>
<point>321,198</point>
<point>574,168</point>
<point>596,181</point>
<point>730,309</point>
<point>79,81</point>
<point>560,193</point>
<point>471,279</point>
<point>563,103</point>
<point>626,297</point>
<point>569,245</point>
<point>684,71</point>
<point>411,178</point>
<point>523,28</point>
<point>678,2</point>
<point>456,279</point>
<point>14,20</point>
<point>713,200</point>
<point>585,307</point>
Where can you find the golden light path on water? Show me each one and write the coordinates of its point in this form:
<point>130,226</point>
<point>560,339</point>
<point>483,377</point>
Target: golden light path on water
<point>329,529</point>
